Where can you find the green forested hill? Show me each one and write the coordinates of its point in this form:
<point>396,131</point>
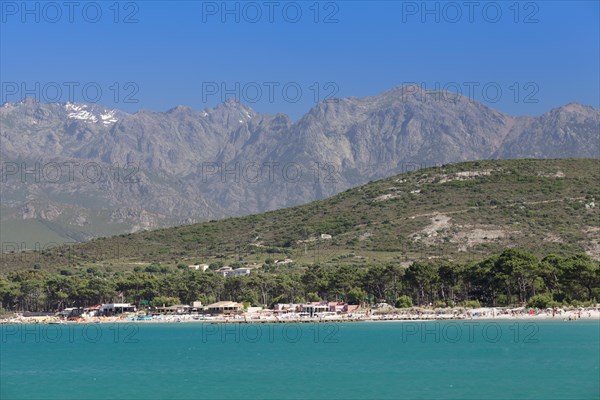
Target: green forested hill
<point>455,212</point>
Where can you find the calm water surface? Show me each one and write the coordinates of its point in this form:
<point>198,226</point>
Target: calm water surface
<point>395,360</point>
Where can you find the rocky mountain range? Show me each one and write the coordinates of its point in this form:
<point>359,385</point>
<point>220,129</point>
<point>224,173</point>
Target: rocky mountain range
<point>71,172</point>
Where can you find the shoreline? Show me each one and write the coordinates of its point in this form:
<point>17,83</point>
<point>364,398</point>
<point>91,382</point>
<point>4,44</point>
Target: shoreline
<point>568,316</point>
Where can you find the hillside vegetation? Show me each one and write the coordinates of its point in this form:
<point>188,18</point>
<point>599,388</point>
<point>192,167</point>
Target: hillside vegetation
<point>456,212</point>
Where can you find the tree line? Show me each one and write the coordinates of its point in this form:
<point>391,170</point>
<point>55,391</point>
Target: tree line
<point>514,277</point>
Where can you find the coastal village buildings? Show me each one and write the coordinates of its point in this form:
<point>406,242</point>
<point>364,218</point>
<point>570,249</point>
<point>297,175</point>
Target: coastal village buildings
<point>314,308</point>
<point>116,308</point>
<point>71,312</point>
<point>172,310</point>
<point>224,307</point>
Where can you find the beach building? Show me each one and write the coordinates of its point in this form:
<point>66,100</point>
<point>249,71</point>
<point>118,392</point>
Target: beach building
<point>340,307</point>
<point>173,310</point>
<point>288,307</point>
<point>351,307</point>
<point>116,308</point>
<point>224,307</point>
<point>336,306</point>
<point>72,312</point>
<point>313,308</point>
<point>92,311</point>
<point>281,308</point>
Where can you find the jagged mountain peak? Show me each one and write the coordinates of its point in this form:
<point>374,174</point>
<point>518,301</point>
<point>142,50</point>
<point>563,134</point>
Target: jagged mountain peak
<point>194,164</point>
<point>28,100</point>
<point>179,109</point>
<point>574,107</point>
<point>234,105</point>
<point>230,114</point>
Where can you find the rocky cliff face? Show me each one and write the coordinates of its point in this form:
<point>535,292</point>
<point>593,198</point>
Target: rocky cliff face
<point>82,170</point>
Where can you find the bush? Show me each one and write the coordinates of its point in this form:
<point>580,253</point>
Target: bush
<point>160,301</point>
<point>404,302</point>
<point>553,304</point>
<point>215,265</point>
<point>152,268</point>
<point>313,297</point>
<point>471,304</point>
<point>440,304</point>
<point>559,297</point>
<point>165,270</point>
<point>356,296</point>
<point>540,301</point>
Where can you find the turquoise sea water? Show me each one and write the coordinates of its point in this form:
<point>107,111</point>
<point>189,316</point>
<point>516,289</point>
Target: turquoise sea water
<point>395,360</point>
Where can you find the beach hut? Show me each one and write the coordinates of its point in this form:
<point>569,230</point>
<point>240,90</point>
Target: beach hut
<point>224,307</point>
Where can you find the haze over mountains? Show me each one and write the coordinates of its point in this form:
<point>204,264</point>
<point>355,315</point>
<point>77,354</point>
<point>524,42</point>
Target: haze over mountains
<point>73,171</point>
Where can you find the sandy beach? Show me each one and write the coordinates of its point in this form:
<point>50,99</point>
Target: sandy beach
<point>377,316</point>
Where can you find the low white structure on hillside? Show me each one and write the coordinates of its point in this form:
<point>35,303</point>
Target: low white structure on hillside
<point>197,267</point>
<point>228,271</point>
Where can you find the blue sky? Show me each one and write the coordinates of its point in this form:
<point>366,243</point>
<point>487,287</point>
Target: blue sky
<point>518,57</point>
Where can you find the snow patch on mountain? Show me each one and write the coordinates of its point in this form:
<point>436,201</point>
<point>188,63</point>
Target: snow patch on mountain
<point>81,112</point>
<point>109,117</point>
